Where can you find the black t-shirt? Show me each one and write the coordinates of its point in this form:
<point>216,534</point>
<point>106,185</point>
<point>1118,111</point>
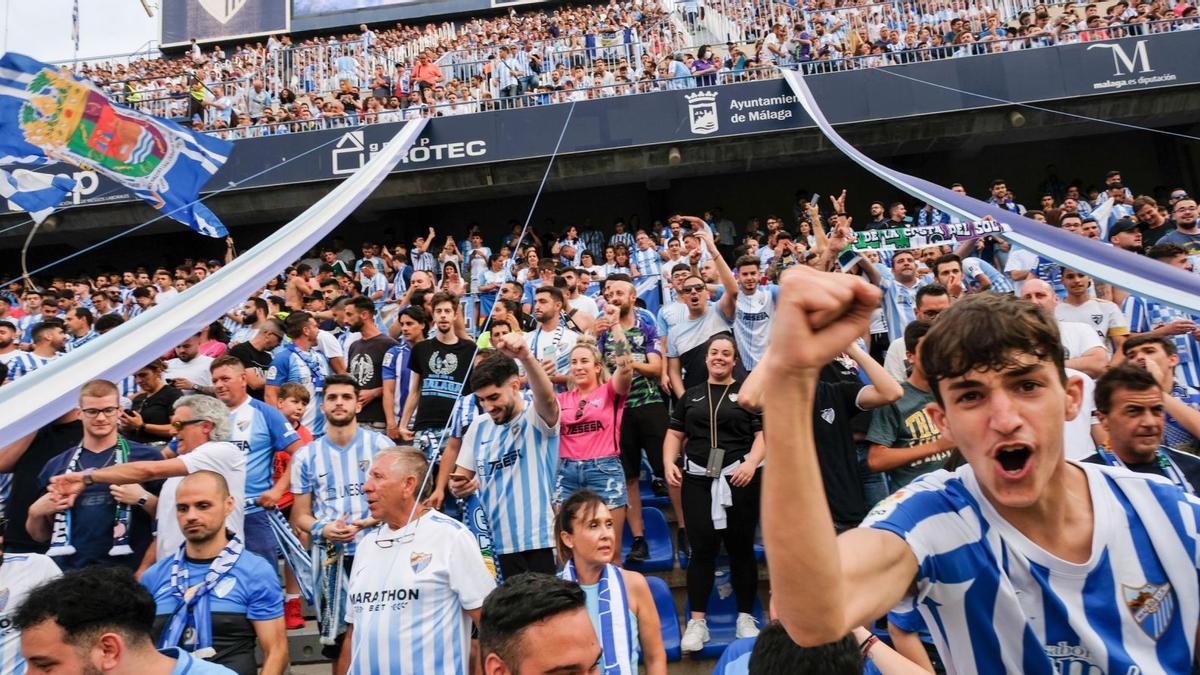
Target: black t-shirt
<point>1189,465</point>
<point>834,407</point>
<point>155,409</point>
<point>364,363</point>
<point>443,369</point>
<point>251,357</point>
<point>47,444</point>
<point>736,426</point>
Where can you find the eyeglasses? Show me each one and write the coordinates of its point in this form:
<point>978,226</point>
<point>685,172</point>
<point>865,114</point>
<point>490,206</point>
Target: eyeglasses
<point>579,411</point>
<point>1179,195</point>
<point>180,424</point>
<point>694,288</point>
<point>93,413</point>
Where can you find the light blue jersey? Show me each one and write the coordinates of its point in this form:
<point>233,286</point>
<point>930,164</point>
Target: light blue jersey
<point>1146,315</point>
<point>25,363</point>
<point>515,464</point>
<point>995,602</point>
<point>289,366</point>
<point>752,323</point>
<point>973,267</point>
<point>335,476</point>
<point>899,302</point>
<point>259,431</point>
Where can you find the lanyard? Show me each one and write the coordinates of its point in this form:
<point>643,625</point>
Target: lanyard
<point>712,414</point>
<point>1170,470</point>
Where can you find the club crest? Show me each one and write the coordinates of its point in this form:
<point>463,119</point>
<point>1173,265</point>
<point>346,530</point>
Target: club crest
<point>224,586</point>
<point>420,561</point>
<point>363,464</point>
<point>1152,607</point>
<point>828,415</point>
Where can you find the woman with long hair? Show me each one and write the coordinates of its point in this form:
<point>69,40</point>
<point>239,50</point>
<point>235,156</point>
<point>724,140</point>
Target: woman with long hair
<point>624,617</point>
<point>589,445</point>
<point>452,281</point>
<point>722,445</point>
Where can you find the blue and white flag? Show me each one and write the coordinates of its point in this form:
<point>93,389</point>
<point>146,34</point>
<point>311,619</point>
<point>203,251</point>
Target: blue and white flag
<point>37,193</point>
<point>49,115</point>
<point>650,291</point>
<point>1134,273</point>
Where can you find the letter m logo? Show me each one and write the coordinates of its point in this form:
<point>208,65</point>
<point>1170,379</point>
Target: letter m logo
<point>1138,62</point>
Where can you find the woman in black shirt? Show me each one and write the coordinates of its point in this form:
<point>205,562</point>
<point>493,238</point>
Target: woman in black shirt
<point>149,420</point>
<point>723,447</point>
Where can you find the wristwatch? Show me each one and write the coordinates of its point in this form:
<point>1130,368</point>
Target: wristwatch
<point>143,499</point>
<point>87,477</point>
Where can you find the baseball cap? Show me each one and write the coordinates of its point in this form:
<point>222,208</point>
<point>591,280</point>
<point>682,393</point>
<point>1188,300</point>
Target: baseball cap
<point>1121,226</point>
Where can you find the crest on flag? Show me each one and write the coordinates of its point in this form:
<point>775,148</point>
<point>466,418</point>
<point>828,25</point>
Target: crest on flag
<point>1152,607</point>
<point>222,10</point>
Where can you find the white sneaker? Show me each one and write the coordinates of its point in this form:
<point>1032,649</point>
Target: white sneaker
<point>747,626</point>
<point>695,636</point>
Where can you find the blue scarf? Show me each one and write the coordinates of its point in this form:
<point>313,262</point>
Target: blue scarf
<point>1169,468</point>
<point>329,580</point>
<point>616,633</point>
<point>60,537</point>
<point>314,366</point>
<point>293,552</point>
<point>476,520</point>
<point>192,621</point>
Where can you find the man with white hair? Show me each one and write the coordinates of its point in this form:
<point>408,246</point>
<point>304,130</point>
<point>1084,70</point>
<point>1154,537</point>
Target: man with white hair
<point>201,426</point>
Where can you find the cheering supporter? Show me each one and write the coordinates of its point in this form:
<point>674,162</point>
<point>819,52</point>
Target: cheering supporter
<point>995,366</point>
<point>439,368</point>
<point>900,285</point>
<point>688,331</point>
<point>589,454</point>
<point>419,580</point>
<point>551,342</point>
<point>234,604</point>
<point>298,361</point>
<point>98,620</point>
<point>201,425</point>
<point>720,486</point>
<point>931,300</point>
<point>618,601</point>
<point>1148,316</point>
<point>104,525</point>
<point>511,454</point>
<point>1130,402</point>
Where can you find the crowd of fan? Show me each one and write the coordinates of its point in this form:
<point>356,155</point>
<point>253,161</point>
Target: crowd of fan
<point>393,330</point>
<point>569,54</point>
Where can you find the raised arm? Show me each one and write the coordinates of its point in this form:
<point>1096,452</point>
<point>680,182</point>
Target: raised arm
<point>545,402</point>
<point>824,585</point>
<point>884,388</point>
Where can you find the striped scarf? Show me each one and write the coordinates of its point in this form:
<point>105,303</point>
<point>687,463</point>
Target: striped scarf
<point>192,620</point>
<point>329,580</point>
<point>616,633</point>
<point>293,551</point>
<point>60,538</point>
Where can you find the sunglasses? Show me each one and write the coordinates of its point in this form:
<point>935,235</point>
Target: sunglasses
<point>694,288</point>
<point>178,425</point>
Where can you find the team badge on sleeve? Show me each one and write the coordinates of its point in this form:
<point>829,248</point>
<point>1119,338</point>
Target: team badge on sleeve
<point>1152,607</point>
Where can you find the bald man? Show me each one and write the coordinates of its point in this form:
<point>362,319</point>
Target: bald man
<point>1085,351</point>
<point>213,597</point>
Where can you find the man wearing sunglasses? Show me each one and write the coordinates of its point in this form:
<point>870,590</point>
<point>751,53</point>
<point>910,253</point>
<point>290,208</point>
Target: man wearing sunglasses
<point>97,524</point>
<point>202,429</point>
<point>687,337</point>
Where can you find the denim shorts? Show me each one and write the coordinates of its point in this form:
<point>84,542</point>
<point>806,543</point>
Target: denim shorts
<point>604,476</point>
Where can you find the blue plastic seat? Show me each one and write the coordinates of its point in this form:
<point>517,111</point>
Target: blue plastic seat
<point>668,618</point>
<point>646,489</point>
<point>721,616</point>
<point>658,537</point>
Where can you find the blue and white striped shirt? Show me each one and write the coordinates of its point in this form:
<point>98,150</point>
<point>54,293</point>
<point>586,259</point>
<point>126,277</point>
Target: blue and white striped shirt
<point>995,602</point>
<point>899,303</point>
<point>515,465</point>
<point>973,267</point>
<point>335,476</point>
<point>1146,315</point>
<point>408,598</point>
<point>25,363</point>
<point>647,262</point>
<point>74,343</point>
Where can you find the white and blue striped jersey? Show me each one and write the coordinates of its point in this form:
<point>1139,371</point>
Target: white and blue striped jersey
<point>376,284</point>
<point>395,369</point>
<point>408,598</point>
<point>259,431</point>
<point>647,262</point>
<point>515,465</point>
<point>752,323</point>
<point>290,367</point>
<point>555,345</point>
<point>25,363</point>
<point>19,574</point>
<point>335,476</point>
<point>899,302</point>
<point>466,409</point>
<point>1146,315</point>
<point>74,343</point>
<point>995,602</point>
<point>973,267</point>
